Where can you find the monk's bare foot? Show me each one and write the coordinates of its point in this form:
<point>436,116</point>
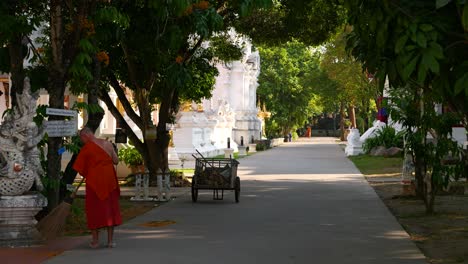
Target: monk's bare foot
<point>93,244</point>
<point>111,245</point>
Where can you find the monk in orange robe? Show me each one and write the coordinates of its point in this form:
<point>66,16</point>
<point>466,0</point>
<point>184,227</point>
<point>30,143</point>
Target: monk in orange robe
<point>96,162</point>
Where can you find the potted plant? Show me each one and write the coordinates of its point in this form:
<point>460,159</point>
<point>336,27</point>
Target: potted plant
<point>132,158</point>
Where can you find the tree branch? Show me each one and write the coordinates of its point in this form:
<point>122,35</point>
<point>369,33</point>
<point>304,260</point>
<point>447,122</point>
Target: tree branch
<point>124,101</point>
<point>35,51</point>
<point>104,96</point>
<point>130,67</point>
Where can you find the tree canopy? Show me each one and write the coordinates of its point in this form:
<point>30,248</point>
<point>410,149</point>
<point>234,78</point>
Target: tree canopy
<point>285,86</point>
<point>353,87</point>
<point>421,48</point>
<point>310,22</point>
<point>422,43</point>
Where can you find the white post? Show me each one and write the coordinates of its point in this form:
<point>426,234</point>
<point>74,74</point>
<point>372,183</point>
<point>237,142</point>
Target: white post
<point>160,184</point>
<point>146,186</point>
<point>137,188</point>
<point>167,184</point>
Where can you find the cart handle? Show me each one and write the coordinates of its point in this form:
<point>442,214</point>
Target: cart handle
<point>204,159</point>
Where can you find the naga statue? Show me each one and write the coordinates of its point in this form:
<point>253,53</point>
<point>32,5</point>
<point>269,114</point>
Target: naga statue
<point>20,165</point>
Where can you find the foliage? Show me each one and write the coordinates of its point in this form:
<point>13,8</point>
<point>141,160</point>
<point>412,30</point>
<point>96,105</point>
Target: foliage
<point>347,123</point>
<point>361,124</point>
<point>386,137</point>
<point>130,156</point>
<point>262,145</point>
<point>353,84</point>
<point>421,48</point>
<point>62,55</point>
<point>310,22</point>
<point>164,55</point>
<point>417,42</point>
<point>351,88</point>
<point>284,86</point>
<point>418,116</point>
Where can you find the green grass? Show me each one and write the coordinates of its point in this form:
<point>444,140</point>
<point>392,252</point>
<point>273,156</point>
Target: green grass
<point>186,171</point>
<point>236,156</point>
<point>377,165</point>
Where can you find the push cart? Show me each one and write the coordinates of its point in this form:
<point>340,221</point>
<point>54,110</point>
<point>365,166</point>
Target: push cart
<point>217,174</point>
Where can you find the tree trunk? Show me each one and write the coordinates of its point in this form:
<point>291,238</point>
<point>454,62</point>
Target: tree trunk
<point>15,50</point>
<point>163,136</point>
<point>352,116</point>
<point>54,160</point>
<point>430,198</point>
<point>56,90</point>
<point>342,128</point>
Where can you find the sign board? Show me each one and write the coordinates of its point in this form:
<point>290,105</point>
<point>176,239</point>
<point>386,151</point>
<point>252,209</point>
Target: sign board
<point>60,128</point>
<point>60,112</point>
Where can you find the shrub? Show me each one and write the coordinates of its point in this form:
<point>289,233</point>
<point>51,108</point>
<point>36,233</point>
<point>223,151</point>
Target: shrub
<point>386,137</point>
<point>130,156</point>
<point>262,145</point>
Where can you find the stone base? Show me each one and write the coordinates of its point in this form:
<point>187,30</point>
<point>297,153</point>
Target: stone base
<point>228,153</point>
<point>252,148</point>
<point>141,199</point>
<point>242,150</point>
<point>353,150</point>
<point>17,222</point>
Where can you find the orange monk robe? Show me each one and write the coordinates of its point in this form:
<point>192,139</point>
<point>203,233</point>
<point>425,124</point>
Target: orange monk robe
<point>102,189</point>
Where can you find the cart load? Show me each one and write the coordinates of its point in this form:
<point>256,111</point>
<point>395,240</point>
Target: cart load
<point>217,174</point>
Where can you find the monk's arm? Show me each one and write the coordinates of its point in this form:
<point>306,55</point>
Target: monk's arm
<point>110,149</point>
<point>115,158</point>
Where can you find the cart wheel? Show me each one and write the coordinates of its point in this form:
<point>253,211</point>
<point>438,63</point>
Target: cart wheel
<point>237,189</point>
<point>194,191</point>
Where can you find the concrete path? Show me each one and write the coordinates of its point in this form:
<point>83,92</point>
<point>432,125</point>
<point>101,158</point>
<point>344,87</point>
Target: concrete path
<point>302,202</point>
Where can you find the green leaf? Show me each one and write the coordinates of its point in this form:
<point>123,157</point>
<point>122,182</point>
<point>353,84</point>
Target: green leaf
<point>429,61</point>
<point>426,27</point>
<point>465,17</point>
<point>400,43</point>
<point>442,3</point>
<point>436,50</point>
<point>421,39</point>
<point>413,27</point>
<point>381,36</point>
<point>409,68</point>
<point>410,47</point>
<point>461,84</point>
<point>422,72</point>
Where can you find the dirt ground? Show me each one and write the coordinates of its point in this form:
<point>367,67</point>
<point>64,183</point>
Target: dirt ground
<point>442,237</point>
<point>76,222</point>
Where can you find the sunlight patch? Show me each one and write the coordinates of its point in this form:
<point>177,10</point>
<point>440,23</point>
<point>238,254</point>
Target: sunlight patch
<point>157,223</point>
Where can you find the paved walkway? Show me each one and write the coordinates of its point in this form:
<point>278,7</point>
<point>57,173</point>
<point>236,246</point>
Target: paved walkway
<point>302,202</point>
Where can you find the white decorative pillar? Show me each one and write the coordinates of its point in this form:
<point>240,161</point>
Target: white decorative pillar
<point>354,146</point>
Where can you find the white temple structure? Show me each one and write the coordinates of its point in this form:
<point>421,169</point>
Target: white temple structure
<point>231,112</point>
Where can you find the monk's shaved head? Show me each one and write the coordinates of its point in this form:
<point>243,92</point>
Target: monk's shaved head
<point>86,130</point>
<point>86,134</point>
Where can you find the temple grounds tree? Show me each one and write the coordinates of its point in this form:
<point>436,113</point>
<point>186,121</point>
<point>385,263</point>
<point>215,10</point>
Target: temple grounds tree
<point>419,46</point>
<point>62,56</point>
<point>161,59</point>
<point>285,86</point>
<point>353,89</point>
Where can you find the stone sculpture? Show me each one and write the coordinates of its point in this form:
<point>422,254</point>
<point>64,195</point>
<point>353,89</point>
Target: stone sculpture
<point>354,146</point>
<point>19,157</point>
